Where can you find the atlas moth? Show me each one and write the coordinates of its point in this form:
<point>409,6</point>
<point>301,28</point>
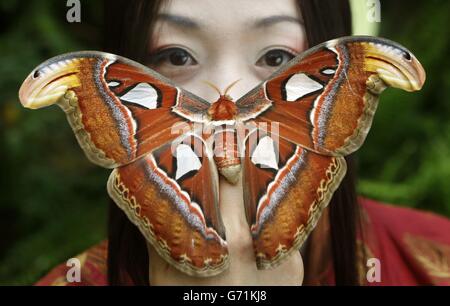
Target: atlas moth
<point>307,116</point>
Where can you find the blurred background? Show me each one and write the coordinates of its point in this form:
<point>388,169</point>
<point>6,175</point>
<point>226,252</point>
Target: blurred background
<point>53,201</point>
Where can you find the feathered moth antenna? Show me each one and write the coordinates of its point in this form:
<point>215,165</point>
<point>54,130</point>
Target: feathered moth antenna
<point>213,87</point>
<point>229,87</point>
<point>218,90</point>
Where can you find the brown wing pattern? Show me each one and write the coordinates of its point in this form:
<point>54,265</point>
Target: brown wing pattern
<point>325,98</point>
<point>284,200</point>
<point>315,110</point>
<point>176,208</point>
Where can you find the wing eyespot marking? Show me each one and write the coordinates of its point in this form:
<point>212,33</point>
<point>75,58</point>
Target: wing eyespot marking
<point>113,83</point>
<point>328,71</point>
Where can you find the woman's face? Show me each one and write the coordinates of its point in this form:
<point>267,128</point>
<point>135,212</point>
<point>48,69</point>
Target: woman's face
<point>222,41</point>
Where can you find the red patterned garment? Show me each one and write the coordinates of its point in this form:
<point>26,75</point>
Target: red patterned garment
<point>93,269</point>
<point>413,248</point>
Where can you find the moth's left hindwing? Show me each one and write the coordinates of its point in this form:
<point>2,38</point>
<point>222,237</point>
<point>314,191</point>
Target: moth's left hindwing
<point>173,199</point>
<point>126,116</point>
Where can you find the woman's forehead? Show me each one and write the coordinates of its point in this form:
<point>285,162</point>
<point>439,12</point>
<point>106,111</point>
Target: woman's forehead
<point>216,14</point>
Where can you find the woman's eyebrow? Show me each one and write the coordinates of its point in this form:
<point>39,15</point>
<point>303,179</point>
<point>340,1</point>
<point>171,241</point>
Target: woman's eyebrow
<point>271,20</point>
<point>187,22</point>
<point>180,21</point>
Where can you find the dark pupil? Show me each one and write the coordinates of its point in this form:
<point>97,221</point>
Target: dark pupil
<point>178,58</point>
<point>274,58</point>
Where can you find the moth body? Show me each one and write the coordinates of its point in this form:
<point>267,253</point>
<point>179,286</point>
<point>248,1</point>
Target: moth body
<point>223,109</point>
<point>225,139</point>
<point>226,155</point>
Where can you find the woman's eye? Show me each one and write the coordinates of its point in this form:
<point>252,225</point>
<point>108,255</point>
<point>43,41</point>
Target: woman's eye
<point>275,58</point>
<point>173,57</point>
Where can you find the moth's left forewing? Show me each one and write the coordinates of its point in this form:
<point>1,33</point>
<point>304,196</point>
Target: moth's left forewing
<point>114,105</point>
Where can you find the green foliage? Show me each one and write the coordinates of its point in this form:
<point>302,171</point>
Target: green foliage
<point>54,202</point>
<point>406,158</point>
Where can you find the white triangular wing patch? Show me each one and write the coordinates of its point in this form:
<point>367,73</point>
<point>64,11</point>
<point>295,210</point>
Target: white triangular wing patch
<point>300,85</point>
<point>264,153</point>
<point>142,94</point>
<point>187,160</point>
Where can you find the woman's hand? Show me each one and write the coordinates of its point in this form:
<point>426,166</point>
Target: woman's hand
<point>242,269</point>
